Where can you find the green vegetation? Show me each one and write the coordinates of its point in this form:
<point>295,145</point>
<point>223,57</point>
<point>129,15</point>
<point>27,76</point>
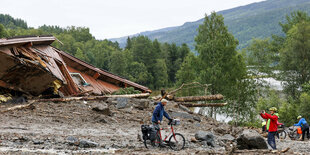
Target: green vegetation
<point>283,56</point>
<point>289,55</point>
<point>128,90</point>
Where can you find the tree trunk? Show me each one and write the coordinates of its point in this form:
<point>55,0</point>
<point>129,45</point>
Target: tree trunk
<point>204,105</point>
<point>198,98</point>
<point>89,98</point>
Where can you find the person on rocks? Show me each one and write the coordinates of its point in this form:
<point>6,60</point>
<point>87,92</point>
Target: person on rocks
<point>273,126</point>
<point>157,117</point>
<point>304,127</point>
<point>159,112</point>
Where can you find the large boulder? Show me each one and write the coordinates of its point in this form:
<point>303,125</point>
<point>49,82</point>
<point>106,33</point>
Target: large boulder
<point>205,136</point>
<point>121,103</point>
<point>251,139</point>
<point>141,104</point>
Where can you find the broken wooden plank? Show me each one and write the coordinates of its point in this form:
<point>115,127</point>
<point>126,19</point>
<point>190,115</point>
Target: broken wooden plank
<point>204,105</point>
<point>198,98</point>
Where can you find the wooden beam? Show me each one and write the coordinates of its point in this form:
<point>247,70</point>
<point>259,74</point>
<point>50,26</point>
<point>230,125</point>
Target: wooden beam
<point>204,105</point>
<point>89,98</point>
<point>96,75</point>
<point>198,98</point>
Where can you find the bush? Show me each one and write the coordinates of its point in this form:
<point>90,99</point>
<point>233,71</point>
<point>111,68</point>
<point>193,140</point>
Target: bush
<point>128,90</point>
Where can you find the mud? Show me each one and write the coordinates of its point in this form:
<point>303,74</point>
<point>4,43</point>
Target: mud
<point>75,128</point>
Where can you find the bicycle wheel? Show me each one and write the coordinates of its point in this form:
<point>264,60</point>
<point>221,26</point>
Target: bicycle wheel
<point>177,142</point>
<point>282,134</point>
<point>152,144</point>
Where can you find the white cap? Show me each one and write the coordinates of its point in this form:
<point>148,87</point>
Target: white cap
<point>164,100</point>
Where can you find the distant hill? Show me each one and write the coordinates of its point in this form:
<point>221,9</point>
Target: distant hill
<point>256,20</point>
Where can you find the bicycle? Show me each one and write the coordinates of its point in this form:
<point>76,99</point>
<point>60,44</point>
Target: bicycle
<point>293,133</point>
<point>281,133</point>
<point>176,140</point>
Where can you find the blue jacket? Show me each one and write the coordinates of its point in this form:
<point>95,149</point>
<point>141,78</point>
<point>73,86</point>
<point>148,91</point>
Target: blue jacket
<point>159,112</point>
<point>301,122</point>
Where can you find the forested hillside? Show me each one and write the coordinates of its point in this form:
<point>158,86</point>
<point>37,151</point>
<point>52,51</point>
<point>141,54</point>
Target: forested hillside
<point>257,20</point>
<point>216,63</point>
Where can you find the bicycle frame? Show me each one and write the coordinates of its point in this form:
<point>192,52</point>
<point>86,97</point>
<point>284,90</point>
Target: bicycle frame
<point>165,129</point>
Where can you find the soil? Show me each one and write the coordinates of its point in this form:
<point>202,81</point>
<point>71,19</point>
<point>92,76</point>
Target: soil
<point>75,128</point>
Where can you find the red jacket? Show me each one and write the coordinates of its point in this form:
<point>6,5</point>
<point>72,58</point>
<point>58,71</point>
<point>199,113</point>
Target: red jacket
<point>273,127</point>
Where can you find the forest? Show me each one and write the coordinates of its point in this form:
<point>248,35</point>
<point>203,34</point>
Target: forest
<point>237,74</point>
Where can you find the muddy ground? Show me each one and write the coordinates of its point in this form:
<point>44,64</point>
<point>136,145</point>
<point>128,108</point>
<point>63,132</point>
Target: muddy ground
<point>78,127</point>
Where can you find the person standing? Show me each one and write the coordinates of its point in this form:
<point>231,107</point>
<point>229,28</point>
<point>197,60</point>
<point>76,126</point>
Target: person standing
<point>273,126</point>
<point>304,127</point>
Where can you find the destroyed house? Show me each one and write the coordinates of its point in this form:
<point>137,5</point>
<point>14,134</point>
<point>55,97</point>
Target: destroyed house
<point>32,66</point>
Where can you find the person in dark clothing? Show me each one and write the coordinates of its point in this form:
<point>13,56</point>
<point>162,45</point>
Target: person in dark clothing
<point>157,117</point>
<point>304,127</point>
<point>273,127</point>
<point>159,112</point>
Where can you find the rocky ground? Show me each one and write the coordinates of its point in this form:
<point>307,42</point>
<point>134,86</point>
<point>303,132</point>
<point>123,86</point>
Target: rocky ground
<point>113,126</point>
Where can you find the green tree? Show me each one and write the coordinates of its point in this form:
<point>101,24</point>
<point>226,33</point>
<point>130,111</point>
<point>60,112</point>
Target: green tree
<point>79,54</point>
<point>295,58</point>
<point>261,55</point>
<point>160,74</point>
<point>118,63</point>
<point>3,32</point>
<point>188,71</point>
<point>221,66</point>
<point>293,19</point>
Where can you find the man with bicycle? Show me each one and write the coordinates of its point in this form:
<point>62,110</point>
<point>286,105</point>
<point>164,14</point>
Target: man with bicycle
<point>159,112</point>
<point>273,126</point>
<point>304,127</point>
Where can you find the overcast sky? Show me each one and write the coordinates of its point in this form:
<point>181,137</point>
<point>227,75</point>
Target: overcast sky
<point>114,18</point>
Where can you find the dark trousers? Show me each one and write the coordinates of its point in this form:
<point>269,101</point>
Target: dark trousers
<point>305,129</point>
<point>271,140</point>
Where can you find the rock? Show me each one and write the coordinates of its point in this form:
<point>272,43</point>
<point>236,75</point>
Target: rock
<point>194,140</point>
<point>205,136</point>
<point>122,103</point>
<point>111,100</point>
<point>182,107</point>
<point>181,115</point>
<point>221,130</point>
<point>100,119</point>
<point>196,118</point>
<point>72,140</point>
<point>142,104</point>
<point>251,139</point>
<point>226,137</point>
<point>102,109</point>
<point>87,144</point>
<point>37,142</point>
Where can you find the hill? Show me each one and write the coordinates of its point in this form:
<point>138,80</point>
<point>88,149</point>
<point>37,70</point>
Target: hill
<point>256,20</point>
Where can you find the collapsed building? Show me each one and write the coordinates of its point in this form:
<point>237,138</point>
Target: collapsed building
<point>32,66</point>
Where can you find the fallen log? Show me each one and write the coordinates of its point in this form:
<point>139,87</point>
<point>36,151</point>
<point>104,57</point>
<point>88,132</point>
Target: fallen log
<point>90,98</point>
<point>142,95</point>
<point>198,98</point>
<point>18,107</point>
<point>204,105</point>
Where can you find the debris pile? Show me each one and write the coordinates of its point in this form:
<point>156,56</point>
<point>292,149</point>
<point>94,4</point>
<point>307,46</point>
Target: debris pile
<point>31,66</point>
<point>99,126</point>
